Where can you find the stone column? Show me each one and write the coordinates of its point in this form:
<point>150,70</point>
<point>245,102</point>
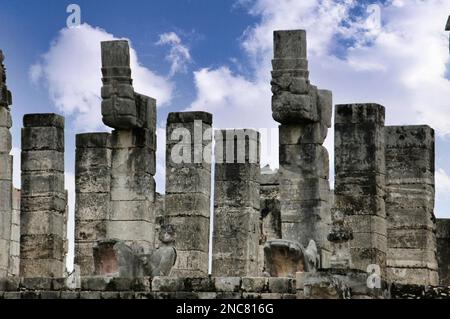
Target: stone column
<point>305,116</point>
<point>360,180</point>
<point>411,257</point>
<point>237,229</point>
<point>443,250</point>
<point>188,189</point>
<point>6,162</point>
<point>92,201</point>
<point>14,251</point>
<point>43,198</point>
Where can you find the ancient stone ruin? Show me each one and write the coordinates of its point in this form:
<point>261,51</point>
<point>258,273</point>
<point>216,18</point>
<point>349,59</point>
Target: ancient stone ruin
<point>277,233</point>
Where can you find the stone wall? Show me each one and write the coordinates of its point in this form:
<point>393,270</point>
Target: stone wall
<point>411,257</point>
<point>14,251</point>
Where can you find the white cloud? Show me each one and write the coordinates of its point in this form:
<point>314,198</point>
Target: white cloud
<point>179,55</point>
<point>70,70</point>
<point>443,182</point>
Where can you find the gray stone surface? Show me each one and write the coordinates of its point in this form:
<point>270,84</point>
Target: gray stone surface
<point>305,116</point>
<point>360,180</point>
<point>188,188</point>
<point>43,229</point>
<point>411,257</point>
<point>443,250</point>
<point>92,201</point>
<point>237,228</point>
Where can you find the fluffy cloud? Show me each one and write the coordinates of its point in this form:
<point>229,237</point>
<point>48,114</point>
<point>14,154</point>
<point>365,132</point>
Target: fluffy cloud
<point>70,70</point>
<point>179,55</point>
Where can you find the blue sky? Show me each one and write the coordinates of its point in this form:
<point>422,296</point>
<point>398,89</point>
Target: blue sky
<point>215,56</point>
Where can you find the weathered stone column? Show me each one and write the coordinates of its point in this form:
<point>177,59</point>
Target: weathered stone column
<point>188,189</point>
<point>305,116</point>
<point>43,198</point>
<point>443,250</point>
<point>92,205</point>
<point>6,162</point>
<point>133,144</point>
<point>14,251</point>
<point>237,228</point>
<point>411,257</point>
<point>360,180</point>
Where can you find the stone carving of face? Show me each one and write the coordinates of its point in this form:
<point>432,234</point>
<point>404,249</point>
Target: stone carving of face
<point>167,233</point>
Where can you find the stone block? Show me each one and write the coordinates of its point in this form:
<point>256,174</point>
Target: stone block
<point>131,230</point>
<point>369,240</point>
<point>289,108</point>
<point>254,284</point>
<point>97,283</point>
<point>311,133</point>
<point>5,195</point>
<point>42,161</point>
<point>290,44</point>
<point>132,187</point>
<point>307,189</point>
<point>237,194</point>
<point>361,205</point>
<point>90,159</point>
<point>306,160</point>
<point>41,267</point>
<point>325,104</point>
<point>6,167</point>
<point>5,118</point>
<point>131,138</point>
<point>359,113</point>
<point>281,285</point>
<point>410,136</point>
<point>167,284</point>
<point>296,84</point>
<point>412,238</point>
<point>5,137</point>
<point>237,172</point>
<point>92,206</point>
<point>42,222</point>
<point>42,138</point>
<point>188,180</point>
<point>411,258</point>
<point>43,120</point>
<point>192,232</point>
<point>190,263</point>
<point>227,284</point>
<point>41,246</point>
<point>133,160</point>
<point>195,204</point>
<point>188,117</point>
<point>410,166</point>
<point>36,283</point>
<point>93,140</point>
<point>42,183</point>
<point>415,276</point>
<point>132,210</point>
<point>93,181</point>
<point>90,295</point>
<point>55,203</point>
<point>70,294</point>
<point>91,230</point>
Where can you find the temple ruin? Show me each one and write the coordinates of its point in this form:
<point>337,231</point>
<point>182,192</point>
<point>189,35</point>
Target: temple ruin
<point>281,233</point>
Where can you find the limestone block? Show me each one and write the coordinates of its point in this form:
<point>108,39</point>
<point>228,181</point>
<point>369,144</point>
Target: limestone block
<point>254,284</point>
<point>411,136</point>
<point>95,180</point>
<point>133,186</point>
<point>311,133</point>
<point>5,137</point>
<point>5,118</point>
<point>138,137</point>
<point>289,108</point>
<point>94,206</point>
<point>93,140</point>
<point>132,210</point>
<point>411,165</point>
<point>187,205</point>
<point>361,205</point>
<point>41,246</point>
<point>307,160</point>
<point>91,230</point>
<point>92,158</point>
<point>5,195</point>
<point>42,161</point>
<point>412,257</point>
<point>412,238</point>
<point>369,224</point>
<point>291,64</point>
<point>325,100</point>
<point>237,172</point>
<point>42,138</point>
<point>190,263</point>
<point>131,230</point>
<point>289,44</point>
<point>42,183</point>
<point>418,276</point>
<point>56,203</point>
<point>359,113</point>
<point>42,267</point>
<point>192,232</point>
<point>414,217</point>
<point>4,258</point>
<point>227,284</point>
<point>43,120</point>
<point>363,257</point>
<point>304,189</point>
<point>137,159</point>
<point>360,184</point>
<point>369,240</point>
<point>189,117</point>
<point>188,180</point>
<point>6,167</point>
<point>237,194</point>
<point>286,81</point>
<point>42,222</point>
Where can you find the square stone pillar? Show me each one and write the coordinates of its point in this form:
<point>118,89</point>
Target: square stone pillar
<point>360,181</point>
<point>188,189</point>
<point>133,166</point>
<point>6,187</point>
<point>92,201</point>
<point>14,251</point>
<point>43,197</point>
<point>237,228</point>
<point>443,250</point>
<point>305,116</point>
<point>411,257</point>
